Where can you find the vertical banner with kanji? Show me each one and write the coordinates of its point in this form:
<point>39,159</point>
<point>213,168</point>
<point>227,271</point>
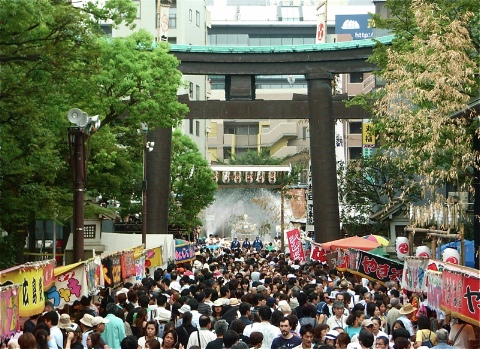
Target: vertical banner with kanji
<point>434,287</point>
<point>470,306</point>
<point>9,308</point>
<point>413,278</point>
<point>452,292</point>
<point>295,245</point>
<point>128,264</point>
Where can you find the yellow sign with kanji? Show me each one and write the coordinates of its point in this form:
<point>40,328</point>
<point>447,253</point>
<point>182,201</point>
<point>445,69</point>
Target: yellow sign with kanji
<point>368,137</point>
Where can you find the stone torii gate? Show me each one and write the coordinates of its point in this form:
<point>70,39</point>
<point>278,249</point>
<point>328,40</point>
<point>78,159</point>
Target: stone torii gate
<point>240,66</point>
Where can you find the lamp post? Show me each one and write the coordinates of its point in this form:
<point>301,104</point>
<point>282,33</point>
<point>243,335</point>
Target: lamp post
<point>147,147</point>
<point>84,126</point>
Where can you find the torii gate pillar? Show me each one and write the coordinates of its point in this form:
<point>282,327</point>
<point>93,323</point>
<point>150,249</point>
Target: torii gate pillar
<point>326,218</point>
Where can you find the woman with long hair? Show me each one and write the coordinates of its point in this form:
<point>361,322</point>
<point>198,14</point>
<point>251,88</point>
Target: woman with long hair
<point>424,335</point>
<point>94,341</point>
<point>27,341</point>
<point>42,338</point>
<point>217,309</point>
<point>370,310</point>
<point>354,323</point>
<point>342,341</point>
<point>138,326</point>
<point>151,331</point>
<point>319,333</point>
<point>185,329</point>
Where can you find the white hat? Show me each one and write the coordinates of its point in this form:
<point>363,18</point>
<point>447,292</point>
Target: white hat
<point>175,287</point>
<point>87,320</point>
<point>184,309</point>
<point>289,276</point>
<point>218,303</point>
<point>163,315</point>
<point>123,290</point>
<point>97,320</point>
<point>332,334</point>
<point>234,301</point>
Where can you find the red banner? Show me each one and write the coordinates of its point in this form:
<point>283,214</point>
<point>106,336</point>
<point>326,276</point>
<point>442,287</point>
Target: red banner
<point>128,264</point>
<point>470,305</point>
<point>48,274</point>
<point>295,245</point>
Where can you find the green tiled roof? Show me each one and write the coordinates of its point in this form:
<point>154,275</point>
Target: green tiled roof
<point>344,45</point>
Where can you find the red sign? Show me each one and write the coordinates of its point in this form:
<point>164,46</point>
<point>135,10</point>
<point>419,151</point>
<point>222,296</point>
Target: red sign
<point>320,32</point>
<point>128,264</point>
<point>295,245</point>
<point>48,275</point>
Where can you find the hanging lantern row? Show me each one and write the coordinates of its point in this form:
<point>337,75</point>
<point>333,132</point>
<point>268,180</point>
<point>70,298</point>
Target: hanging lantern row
<point>247,176</point>
<point>449,255</point>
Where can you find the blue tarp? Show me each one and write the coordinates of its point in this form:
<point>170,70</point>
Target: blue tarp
<point>469,251</point>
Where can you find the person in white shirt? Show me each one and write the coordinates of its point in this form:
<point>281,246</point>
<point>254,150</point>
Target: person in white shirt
<point>51,319</point>
<point>338,319</point>
<point>269,331</point>
<point>406,313</point>
<point>462,335</point>
<point>204,334</point>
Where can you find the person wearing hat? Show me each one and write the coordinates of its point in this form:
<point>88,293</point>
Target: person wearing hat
<point>73,338</point>
<point>217,309</point>
<point>257,243</point>
<point>262,289</point>
<point>406,313</point>
<point>86,326</point>
<point>246,244</point>
<point>235,245</point>
<point>331,337</point>
<point>99,324</point>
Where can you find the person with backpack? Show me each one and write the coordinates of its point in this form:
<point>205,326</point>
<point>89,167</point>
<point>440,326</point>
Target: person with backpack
<point>425,337</point>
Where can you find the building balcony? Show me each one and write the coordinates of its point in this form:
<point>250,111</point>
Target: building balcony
<point>282,130</point>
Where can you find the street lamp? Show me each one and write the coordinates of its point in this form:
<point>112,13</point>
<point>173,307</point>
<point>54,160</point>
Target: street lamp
<point>84,126</point>
<point>147,147</point>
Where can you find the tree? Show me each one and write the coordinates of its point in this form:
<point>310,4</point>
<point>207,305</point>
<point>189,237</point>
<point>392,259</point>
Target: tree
<point>54,57</point>
<point>191,183</point>
<point>367,185</point>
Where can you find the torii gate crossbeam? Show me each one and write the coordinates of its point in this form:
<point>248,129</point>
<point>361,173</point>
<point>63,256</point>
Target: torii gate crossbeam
<point>241,65</point>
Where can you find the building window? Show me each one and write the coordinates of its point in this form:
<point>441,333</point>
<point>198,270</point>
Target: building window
<point>355,153</point>
<point>190,15</point>
<point>356,78</point>
<point>197,128</point>
<point>172,18</point>
<point>289,14</point>
<point>89,231</point>
<point>197,92</point>
<point>197,20</point>
<point>190,126</point>
<point>355,128</point>
<point>137,3</point>
<point>190,90</point>
<point>304,133</point>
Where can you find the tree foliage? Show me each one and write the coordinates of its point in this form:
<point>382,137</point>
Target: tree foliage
<point>191,183</point>
<point>54,57</point>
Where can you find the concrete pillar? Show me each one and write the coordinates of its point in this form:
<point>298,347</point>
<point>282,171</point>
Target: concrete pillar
<point>322,151</point>
<point>158,179</point>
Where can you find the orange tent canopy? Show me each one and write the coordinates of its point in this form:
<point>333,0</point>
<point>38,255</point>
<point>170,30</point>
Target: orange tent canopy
<point>351,242</point>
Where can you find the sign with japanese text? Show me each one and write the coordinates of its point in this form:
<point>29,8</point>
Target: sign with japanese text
<point>128,264</point>
<point>139,268</point>
<point>93,268</point>
<point>295,245</point>
<point>9,307</point>
<point>461,294</point>
<point>373,267</point>
<point>317,253</point>
<point>413,278</point>
<point>70,285</point>
<point>184,253</point>
<point>368,137</point>
<point>434,287</point>
<point>31,290</point>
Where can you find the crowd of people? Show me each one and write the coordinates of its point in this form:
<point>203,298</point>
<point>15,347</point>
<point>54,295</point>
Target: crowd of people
<point>247,298</point>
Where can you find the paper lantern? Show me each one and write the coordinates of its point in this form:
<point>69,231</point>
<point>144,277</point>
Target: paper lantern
<point>402,247</point>
<point>451,255</point>
<point>423,251</point>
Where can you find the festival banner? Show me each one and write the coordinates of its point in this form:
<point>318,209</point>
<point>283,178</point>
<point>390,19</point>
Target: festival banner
<point>93,268</point>
<point>332,258</point>
<point>317,253</point>
<point>48,274</point>
<point>295,246</point>
<point>452,291</point>
<point>342,259</point>
<point>470,307</point>
<point>128,264</point>
<point>31,292</point>
<point>153,257</point>
<point>184,253</point>
<point>70,285</point>
<point>139,268</point>
<point>413,278</point>
<point>373,267</point>
<point>434,287</point>
<point>9,311</point>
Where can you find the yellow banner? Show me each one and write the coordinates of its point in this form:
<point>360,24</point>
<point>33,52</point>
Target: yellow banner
<point>153,257</point>
<point>368,137</point>
<point>30,278</point>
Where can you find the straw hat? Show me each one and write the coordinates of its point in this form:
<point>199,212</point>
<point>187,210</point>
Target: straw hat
<point>407,309</point>
<point>64,321</point>
<point>234,301</point>
<point>87,320</point>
